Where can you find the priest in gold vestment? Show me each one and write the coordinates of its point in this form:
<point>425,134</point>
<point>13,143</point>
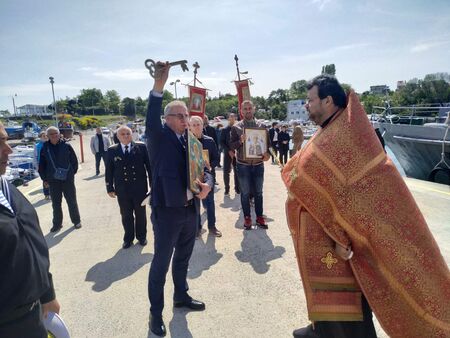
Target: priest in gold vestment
<point>361,242</point>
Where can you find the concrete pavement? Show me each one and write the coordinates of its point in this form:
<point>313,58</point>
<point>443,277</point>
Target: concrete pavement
<point>248,279</point>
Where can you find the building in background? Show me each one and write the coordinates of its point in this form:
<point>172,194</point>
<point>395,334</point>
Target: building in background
<point>296,110</point>
<point>33,110</point>
<point>379,90</point>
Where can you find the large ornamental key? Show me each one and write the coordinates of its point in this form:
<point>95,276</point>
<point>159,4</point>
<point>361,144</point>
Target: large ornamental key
<point>155,69</point>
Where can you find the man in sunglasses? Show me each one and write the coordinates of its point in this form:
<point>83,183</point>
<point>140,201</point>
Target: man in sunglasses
<point>175,209</point>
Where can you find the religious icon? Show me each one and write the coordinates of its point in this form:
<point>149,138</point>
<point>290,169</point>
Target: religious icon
<point>195,162</point>
<point>196,103</point>
<point>206,158</point>
<point>255,143</point>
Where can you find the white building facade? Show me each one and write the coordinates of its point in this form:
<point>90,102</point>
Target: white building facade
<point>33,110</point>
<point>296,110</point>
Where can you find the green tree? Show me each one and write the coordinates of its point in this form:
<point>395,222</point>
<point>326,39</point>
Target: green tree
<point>128,107</point>
<point>167,97</point>
<point>298,90</point>
<point>90,99</point>
<point>111,101</point>
<point>141,106</point>
<point>329,69</point>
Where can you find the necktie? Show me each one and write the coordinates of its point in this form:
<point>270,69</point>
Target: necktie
<point>183,141</point>
<point>126,150</point>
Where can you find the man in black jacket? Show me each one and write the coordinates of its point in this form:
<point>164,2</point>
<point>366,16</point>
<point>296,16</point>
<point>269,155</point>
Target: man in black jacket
<point>273,139</point>
<point>57,167</point>
<point>209,130</point>
<point>127,177</point>
<point>229,158</point>
<point>26,287</point>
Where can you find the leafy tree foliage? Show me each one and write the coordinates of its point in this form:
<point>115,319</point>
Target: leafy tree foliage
<point>329,69</point>
<point>111,102</point>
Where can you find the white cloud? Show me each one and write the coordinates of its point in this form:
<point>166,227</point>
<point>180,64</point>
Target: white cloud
<point>424,46</point>
<point>123,74</point>
<point>87,69</point>
<point>321,3</point>
<point>325,53</point>
<point>33,89</point>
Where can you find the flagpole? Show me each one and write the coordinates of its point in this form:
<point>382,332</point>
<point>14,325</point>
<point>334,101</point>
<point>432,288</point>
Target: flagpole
<point>237,67</point>
<point>195,65</point>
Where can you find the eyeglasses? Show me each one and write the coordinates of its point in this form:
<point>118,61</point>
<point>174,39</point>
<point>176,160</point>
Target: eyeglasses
<point>180,117</point>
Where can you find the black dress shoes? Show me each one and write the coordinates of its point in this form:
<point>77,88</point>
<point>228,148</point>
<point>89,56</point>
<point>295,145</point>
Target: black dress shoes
<point>143,242</point>
<point>157,326</point>
<point>126,245</point>
<point>192,304</point>
<point>306,332</point>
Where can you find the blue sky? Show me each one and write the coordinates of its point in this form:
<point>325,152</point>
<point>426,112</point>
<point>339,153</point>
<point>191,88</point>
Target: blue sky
<point>103,43</point>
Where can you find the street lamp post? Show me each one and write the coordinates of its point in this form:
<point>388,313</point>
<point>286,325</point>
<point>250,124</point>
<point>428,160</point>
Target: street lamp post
<point>175,84</point>
<point>14,104</point>
<point>52,81</point>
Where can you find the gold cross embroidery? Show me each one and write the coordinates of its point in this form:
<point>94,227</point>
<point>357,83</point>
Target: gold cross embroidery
<point>293,175</point>
<point>329,260</point>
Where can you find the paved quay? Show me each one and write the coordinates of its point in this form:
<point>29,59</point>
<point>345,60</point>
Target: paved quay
<point>248,279</point>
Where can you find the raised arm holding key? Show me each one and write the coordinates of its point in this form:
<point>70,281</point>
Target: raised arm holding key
<point>175,210</point>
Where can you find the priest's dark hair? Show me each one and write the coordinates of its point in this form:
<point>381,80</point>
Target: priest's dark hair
<point>328,85</point>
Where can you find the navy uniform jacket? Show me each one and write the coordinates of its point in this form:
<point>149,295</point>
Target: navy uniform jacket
<point>168,161</point>
<point>24,262</point>
<point>128,174</point>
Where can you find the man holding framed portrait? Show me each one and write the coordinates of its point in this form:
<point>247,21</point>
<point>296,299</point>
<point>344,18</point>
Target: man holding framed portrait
<point>251,141</point>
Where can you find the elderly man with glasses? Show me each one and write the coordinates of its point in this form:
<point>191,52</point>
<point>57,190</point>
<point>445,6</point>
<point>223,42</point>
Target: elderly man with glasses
<point>175,209</point>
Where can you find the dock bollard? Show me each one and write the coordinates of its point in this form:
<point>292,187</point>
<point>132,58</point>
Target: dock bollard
<point>81,147</point>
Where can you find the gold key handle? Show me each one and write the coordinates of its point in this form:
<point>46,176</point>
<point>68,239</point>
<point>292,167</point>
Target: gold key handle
<point>155,69</point>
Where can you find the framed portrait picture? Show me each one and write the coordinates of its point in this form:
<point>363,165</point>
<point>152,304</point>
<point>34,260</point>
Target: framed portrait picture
<point>195,161</point>
<point>255,143</point>
<point>197,101</point>
<point>206,158</point>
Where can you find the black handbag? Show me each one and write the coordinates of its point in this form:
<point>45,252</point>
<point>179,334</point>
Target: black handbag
<point>59,174</point>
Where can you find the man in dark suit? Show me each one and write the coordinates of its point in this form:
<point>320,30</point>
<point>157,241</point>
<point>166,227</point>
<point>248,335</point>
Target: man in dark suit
<point>127,174</point>
<point>175,208</point>
<point>273,138</point>
<point>229,158</point>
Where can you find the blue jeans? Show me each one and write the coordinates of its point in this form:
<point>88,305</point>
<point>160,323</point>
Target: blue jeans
<point>251,180</point>
<point>208,204</point>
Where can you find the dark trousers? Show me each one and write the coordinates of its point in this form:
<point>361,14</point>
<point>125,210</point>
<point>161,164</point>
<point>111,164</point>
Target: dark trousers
<point>364,329</point>
<point>57,189</point>
<point>208,204</point>
<point>174,230</point>
<point>251,180</point>
<point>98,157</point>
<point>229,163</point>
<point>133,217</point>
<point>283,154</point>
<point>30,325</point>
<point>45,190</point>
<point>275,150</point>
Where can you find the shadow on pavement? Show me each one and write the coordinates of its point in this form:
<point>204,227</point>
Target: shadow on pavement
<point>54,238</point>
<point>203,257</point>
<point>178,326</point>
<point>41,203</point>
<point>233,203</point>
<point>90,178</point>
<point>36,192</point>
<point>123,264</point>
<point>258,250</point>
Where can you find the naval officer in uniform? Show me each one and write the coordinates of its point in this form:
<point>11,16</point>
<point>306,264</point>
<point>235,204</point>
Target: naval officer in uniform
<point>128,177</point>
